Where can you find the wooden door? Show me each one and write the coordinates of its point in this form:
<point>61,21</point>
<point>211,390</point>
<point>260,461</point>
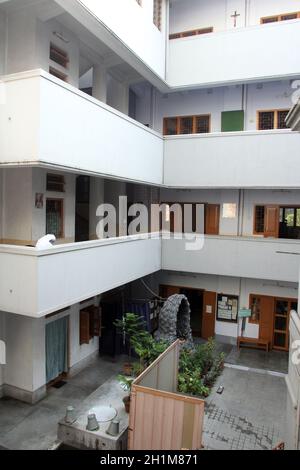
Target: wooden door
<point>209,315</point>
<point>212,219</point>
<point>266,318</point>
<point>271,221</point>
<point>167,291</point>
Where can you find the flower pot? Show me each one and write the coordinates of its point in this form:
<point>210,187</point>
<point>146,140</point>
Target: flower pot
<point>126,401</point>
<point>127,369</point>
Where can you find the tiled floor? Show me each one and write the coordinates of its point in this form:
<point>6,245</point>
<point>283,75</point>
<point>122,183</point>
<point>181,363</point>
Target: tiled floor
<point>249,415</point>
<point>276,361</point>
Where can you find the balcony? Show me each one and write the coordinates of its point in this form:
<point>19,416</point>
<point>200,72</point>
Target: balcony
<point>263,52</point>
<point>48,122</point>
<point>255,258</point>
<point>250,159</point>
<point>35,283</point>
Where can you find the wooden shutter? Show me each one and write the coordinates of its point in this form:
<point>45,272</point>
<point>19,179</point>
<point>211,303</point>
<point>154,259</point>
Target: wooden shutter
<point>84,328</point>
<point>271,221</point>
<point>266,318</point>
<point>209,315</point>
<point>232,121</point>
<point>212,219</point>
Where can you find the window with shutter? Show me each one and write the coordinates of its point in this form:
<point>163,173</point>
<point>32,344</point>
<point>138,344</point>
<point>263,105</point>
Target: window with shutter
<point>90,324</point>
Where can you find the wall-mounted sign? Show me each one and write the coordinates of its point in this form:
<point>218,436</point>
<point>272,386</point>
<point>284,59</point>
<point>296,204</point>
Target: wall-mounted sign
<point>227,308</point>
<point>245,313</point>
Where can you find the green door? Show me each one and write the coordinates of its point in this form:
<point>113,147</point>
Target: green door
<point>56,348</point>
<point>232,121</point>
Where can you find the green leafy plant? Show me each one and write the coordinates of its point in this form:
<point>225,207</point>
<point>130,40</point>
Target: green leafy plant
<point>199,369</point>
<point>126,382</point>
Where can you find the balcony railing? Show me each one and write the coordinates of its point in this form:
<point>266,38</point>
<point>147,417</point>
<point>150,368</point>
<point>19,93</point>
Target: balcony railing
<point>240,55</point>
<point>249,159</point>
<point>35,283</point>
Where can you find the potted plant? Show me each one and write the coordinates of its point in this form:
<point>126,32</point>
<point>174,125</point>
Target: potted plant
<point>126,384</point>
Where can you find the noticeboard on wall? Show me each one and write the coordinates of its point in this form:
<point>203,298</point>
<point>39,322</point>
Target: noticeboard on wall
<point>227,308</point>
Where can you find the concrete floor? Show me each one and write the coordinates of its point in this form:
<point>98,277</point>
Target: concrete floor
<point>26,427</point>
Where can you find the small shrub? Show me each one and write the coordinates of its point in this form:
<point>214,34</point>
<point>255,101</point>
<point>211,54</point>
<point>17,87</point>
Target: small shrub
<point>199,369</point>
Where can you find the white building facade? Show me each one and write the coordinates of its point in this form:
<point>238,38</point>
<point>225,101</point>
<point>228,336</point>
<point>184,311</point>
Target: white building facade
<point>175,102</point>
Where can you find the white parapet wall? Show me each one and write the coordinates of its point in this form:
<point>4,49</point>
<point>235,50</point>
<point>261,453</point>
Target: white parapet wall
<point>249,159</point>
<point>236,56</point>
<point>46,121</point>
<point>35,283</point>
<point>244,257</point>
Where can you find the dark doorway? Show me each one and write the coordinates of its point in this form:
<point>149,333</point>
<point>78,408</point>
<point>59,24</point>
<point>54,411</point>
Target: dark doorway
<point>195,298</point>
<point>82,209</point>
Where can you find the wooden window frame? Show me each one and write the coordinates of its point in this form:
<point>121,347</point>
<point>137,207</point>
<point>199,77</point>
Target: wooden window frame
<point>279,17</point>
<point>194,125</point>
<point>280,206</point>
<point>191,33</point>
<point>276,120</point>
<point>62,234</point>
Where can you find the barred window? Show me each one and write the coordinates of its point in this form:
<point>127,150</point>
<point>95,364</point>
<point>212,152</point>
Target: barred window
<point>187,125</point>
<point>54,217</point>
<point>259,223</point>
<point>274,119</point>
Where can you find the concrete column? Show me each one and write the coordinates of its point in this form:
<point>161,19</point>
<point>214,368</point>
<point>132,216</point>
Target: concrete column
<point>124,98</point>
<point>100,83</point>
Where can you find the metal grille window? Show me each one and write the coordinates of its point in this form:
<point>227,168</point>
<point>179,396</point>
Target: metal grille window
<point>187,125</point>
<point>157,13</point>
<point>202,124</point>
<point>266,120</point>
<point>54,217</point>
<point>259,225</point>
<point>274,119</point>
<point>281,119</point>
<point>170,126</point>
